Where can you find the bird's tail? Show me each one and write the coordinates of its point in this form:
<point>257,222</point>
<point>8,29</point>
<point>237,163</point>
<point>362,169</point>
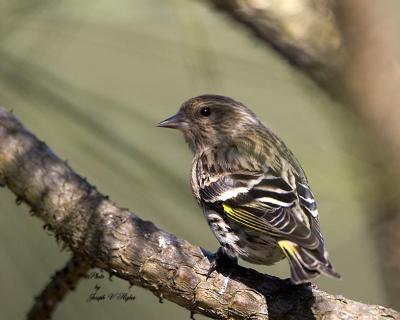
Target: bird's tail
<point>306,264</point>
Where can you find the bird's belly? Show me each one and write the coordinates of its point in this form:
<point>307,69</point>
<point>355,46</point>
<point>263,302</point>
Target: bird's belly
<point>240,241</point>
<point>259,249</point>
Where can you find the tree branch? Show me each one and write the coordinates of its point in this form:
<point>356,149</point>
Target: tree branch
<point>304,32</point>
<point>119,242</point>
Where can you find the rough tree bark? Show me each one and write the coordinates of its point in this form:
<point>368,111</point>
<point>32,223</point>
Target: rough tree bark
<point>118,241</point>
<point>349,48</point>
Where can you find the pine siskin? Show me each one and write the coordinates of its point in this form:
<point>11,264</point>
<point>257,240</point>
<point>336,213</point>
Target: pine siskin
<point>252,189</point>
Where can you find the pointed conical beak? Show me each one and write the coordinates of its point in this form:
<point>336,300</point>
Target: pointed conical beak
<point>174,122</point>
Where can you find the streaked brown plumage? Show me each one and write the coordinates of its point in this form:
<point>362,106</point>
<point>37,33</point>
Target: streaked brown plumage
<point>253,191</point>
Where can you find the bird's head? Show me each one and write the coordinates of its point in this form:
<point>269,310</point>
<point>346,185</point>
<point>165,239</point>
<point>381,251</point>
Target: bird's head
<point>208,120</point>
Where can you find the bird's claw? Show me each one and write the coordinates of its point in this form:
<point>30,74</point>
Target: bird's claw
<point>221,259</point>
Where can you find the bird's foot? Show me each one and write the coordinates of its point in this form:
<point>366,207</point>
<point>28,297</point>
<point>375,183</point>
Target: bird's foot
<point>221,259</point>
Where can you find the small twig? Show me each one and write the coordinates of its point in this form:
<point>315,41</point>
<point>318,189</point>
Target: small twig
<point>61,283</point>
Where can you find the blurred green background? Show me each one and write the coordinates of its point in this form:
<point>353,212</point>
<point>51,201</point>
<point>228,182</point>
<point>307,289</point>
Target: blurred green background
<point>92,78</point>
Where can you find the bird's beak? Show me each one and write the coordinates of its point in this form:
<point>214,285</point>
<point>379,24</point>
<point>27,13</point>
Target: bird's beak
<point>174,122</point>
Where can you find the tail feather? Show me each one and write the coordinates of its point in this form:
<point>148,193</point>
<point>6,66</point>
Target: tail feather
<point>306,264</point>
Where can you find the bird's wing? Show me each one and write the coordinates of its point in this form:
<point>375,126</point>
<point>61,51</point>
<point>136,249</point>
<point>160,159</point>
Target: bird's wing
<point>263,201</point>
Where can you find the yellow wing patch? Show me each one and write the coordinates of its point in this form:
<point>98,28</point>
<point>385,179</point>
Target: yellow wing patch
<point>244,217</point>
<point>288,247</point>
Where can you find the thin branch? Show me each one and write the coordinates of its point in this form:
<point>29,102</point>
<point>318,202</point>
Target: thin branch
<point>304,32</point>
<point>122,244</point>
<point>61,283</point>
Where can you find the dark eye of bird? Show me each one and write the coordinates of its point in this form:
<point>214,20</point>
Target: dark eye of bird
<point>205,112</point>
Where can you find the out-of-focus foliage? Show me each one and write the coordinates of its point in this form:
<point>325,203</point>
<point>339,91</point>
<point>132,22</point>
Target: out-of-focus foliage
<point>92,78</point>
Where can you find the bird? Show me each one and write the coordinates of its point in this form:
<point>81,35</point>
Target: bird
<point>253,192</point>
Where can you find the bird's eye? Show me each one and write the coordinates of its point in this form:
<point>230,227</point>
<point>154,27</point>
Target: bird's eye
<point>205,112</point>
